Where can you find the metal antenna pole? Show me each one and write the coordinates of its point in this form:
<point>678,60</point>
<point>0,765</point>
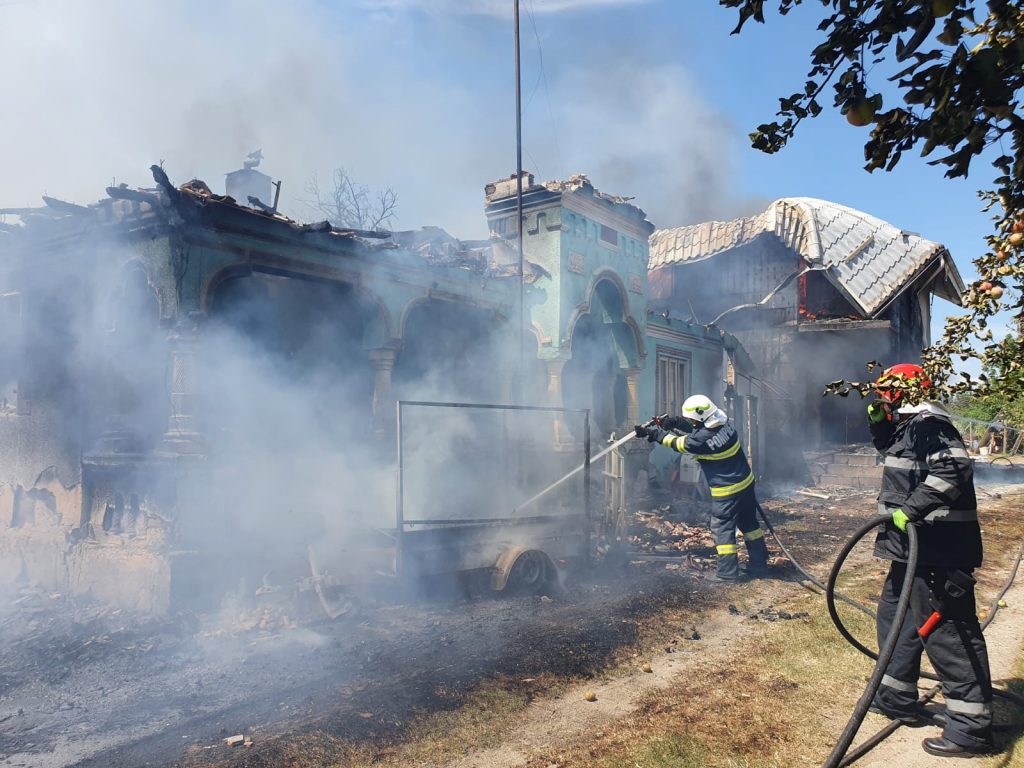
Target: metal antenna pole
<point>519,213</point>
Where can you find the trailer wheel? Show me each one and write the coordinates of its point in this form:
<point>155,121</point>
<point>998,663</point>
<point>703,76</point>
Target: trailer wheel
<point>529,572</point>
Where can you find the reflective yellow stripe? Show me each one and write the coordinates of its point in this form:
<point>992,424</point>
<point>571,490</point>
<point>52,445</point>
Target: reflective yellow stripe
<point>727,549</point>
<point>726,454</point>
<point>753,535</point>
<point>674,442</point>
<point>730,490</point>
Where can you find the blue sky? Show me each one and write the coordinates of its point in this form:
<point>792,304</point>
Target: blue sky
<point>651,98</point>
<point>741,77</point>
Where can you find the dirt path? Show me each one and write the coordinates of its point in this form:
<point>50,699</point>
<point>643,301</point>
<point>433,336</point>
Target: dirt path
<point>554,724</point>
<point>568,722</point>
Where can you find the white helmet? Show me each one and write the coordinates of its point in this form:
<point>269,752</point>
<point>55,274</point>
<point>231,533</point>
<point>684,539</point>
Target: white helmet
<point>699,408</point>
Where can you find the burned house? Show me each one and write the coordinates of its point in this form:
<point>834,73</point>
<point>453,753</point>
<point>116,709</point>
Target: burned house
<point>813,290</point>
<point>195,388</point>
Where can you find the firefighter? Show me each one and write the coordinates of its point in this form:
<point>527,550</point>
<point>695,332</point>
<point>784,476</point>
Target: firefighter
<point>713,441</point>
<point>928,482</point>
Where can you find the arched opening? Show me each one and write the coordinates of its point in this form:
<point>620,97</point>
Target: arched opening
<point>284,389</point>
<point>602,346</point>
<point>284,365</point>
<point>456,352</point>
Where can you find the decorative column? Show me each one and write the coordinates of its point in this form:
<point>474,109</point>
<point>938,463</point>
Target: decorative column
<point>553,397</point>
<point>182,434</point>
<point>633,396</point>
<point>383,362</point>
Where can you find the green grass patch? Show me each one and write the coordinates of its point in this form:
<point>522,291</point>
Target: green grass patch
<point>482,720</point>
<point>673,752</point>
<point>1011,742</point>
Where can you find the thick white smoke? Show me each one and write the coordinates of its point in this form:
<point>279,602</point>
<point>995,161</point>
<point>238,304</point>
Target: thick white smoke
<point>415,97</point>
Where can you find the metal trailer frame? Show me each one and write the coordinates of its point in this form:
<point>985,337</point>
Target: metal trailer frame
<point>469,524</point>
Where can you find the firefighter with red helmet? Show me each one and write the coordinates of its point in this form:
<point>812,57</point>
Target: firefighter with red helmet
<point>928,482</point>
<point>704,432</point>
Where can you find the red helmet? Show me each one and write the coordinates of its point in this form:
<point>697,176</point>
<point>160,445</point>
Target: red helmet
<point>909,372</point>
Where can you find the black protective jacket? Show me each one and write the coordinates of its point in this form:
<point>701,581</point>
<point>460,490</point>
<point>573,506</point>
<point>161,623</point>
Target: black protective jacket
<point>720,454</point>
<point>928,474</point>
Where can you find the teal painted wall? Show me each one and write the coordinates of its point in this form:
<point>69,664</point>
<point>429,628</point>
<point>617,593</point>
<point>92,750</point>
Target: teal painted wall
<point>702,347</point>
<point>586,258</point>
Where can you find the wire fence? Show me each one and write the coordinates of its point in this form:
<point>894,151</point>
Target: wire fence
<point>990,438</point>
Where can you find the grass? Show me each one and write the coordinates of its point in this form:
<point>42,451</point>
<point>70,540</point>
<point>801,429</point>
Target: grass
<point>488,714</point>
<point>1011,742</point>
<point>780,703</point>
<point>672,750</point>
<point>484,717</point>
<point>482,720</point>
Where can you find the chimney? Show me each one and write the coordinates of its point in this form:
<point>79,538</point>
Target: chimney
<point>248,182</point>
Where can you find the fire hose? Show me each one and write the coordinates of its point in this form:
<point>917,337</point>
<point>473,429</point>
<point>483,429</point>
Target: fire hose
<point>838,757</point>
<point>888,646</point>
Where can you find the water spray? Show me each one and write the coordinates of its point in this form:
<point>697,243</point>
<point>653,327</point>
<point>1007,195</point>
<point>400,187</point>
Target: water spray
<point>656,421</point>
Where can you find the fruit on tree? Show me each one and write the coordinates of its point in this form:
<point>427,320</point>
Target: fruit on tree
<point>860,113</point>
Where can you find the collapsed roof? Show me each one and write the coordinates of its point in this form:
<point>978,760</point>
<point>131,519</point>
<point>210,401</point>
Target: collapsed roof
<point>194,201</point>
<point>870,261</point>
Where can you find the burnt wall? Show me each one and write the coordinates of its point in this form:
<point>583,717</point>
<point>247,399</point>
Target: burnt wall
<point>784,339</point>
<point>908,329</point>
<point>83,368</point>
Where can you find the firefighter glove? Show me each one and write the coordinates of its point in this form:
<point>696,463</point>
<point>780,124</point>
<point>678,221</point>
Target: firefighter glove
<point>642,431</point>
<point>878,411</point>
<point>677,423</point>
<point>900,519</point>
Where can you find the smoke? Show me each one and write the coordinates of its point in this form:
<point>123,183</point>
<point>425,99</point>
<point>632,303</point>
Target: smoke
<point>661,143</point>
<point>284,404</point>
<point>389,94</point>
<point>418,98</point>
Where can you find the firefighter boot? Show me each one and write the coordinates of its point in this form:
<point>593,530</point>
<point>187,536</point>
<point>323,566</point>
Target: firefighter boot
<point>727,565</point>
<point>757,553</point>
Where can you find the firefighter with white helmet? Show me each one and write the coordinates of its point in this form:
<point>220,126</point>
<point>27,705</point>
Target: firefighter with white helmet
<point>704,432</point>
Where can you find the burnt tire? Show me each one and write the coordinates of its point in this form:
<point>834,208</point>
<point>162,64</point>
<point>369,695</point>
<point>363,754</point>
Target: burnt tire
<point>530,574</point>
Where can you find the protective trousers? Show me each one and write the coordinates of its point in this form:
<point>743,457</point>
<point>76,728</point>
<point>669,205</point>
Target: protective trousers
<point>956,649</point>
<point>728,514</point>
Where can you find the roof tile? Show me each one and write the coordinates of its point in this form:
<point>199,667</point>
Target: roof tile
<point>818,230</point>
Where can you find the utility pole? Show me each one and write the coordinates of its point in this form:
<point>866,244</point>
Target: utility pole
<point>519,214</point>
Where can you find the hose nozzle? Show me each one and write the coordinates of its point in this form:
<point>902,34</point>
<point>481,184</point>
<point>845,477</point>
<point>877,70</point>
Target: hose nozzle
<point>656,420</point>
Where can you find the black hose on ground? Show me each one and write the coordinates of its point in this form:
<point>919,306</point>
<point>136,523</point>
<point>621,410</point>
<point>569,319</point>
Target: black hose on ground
<point>806,574</point>
<point>992,610</point>
<point>870,743</point>
<point>831,595</point>
<point>888,646</point>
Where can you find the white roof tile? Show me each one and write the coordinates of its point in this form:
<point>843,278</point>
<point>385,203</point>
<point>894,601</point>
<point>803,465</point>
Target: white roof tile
<point>868,259</point>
